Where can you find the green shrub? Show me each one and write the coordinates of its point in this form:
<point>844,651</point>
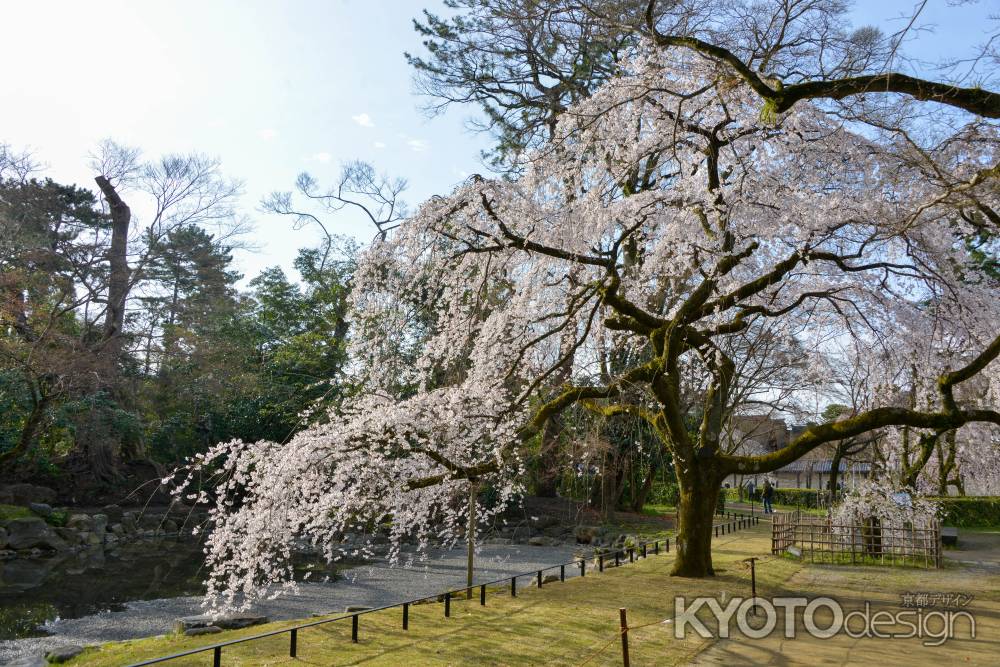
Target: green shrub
<point>809,498</point>
<point>970,511</point>
<point>58,518</point>
<point>664,494</point>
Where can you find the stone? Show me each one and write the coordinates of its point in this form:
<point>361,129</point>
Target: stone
<point>113,512</point>
<point>150,521</point>
<point>231,622</point>
<point>497,540</point>
<point>34,660</point>
<point>554,531</point>
<point>170,526</point>
<point>32,532</point>
<point>117,529</point>
<point>81,522</point>
<point>41,509</point>
<point>539,541</point>
<point>63,653</point>
<point>25,494</point>
<point>100,523</point>
<point>207,630</point>
<point>545,522</point>
<point>3,537</point>
<point>7,554</point>
<point>130,519</point>
<point>549,579</point>
<point>71,536</point>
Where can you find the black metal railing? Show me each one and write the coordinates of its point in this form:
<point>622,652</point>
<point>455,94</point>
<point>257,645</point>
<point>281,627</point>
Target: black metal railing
<point>641,550</point>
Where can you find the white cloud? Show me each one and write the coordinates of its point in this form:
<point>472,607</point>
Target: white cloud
<point>379,144</point>
<point>267,134</point>
<point>364,120</point>
<point>417,145</point>
<point>322,156</point>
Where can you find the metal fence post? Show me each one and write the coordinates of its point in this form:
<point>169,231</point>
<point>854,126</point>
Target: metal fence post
<point>562,573</point>
<point>447,604</point>
<point>482,595</point>
<point>292,643</point>
<point>583,567</point>
<point>600,562</point>
<point>354,628</point>
<point>513,587</point>
<point>217,657</point>
<point>406,615</point>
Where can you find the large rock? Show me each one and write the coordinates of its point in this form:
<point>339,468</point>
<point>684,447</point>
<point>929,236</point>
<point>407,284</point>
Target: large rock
<point>63,653</point>
<point>25,494</point>
<point>113,512</point>
<point>3,537</point>
<point>41,509</point>
<point>231,622</point>
<point>34,660</point>
<point>81,522</point>
<point>100,524</point>
<point>32,532</point>
<point>70,535</point>
<point>207,630</point>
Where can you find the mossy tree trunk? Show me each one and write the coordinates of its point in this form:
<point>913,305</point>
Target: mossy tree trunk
<point>699,494</point>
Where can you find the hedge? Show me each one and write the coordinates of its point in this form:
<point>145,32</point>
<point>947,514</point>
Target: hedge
<point>969,511</point>
<point>808,498</point>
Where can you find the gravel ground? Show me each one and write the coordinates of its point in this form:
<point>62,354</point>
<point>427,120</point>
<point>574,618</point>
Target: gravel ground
<point>370,585</point>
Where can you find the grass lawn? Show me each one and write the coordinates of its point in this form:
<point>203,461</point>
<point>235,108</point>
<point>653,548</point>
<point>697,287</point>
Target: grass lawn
<point>570,623</point>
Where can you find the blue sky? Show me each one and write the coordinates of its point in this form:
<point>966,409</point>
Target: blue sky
<point>272,88</point>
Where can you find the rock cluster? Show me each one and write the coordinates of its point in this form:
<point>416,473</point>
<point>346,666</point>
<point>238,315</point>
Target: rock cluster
<point>50,530</point>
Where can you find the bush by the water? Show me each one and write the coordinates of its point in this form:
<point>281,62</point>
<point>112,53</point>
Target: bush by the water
<point>970,511</point>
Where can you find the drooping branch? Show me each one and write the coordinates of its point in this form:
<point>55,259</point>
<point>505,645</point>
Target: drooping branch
<point>781,98</point>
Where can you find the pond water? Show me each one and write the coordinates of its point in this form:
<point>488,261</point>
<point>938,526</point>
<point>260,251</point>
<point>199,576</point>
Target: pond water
<point>34,592</point>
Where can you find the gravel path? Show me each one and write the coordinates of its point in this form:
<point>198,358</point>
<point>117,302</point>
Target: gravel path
<point>370,585</point>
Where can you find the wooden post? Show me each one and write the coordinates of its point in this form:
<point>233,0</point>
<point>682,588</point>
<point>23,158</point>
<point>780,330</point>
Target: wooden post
<point>624,631</point>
